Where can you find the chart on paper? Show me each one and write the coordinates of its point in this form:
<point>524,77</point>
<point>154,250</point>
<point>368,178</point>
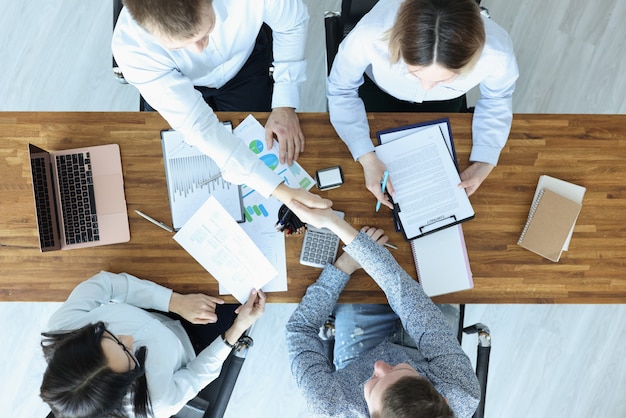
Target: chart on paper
<point>193,177</point>
<point>192,173</point>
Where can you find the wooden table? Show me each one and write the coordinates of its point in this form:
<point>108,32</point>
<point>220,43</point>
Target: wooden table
<point>589,150</point>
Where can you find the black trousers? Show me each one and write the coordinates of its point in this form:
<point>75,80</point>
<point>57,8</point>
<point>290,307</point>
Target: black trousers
<point>377,100</point>
<point>203,335</point>
<point>252,87</point>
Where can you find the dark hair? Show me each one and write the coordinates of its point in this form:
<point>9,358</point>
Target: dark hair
<point>413,396</point>
<point>448,32</point>
<point>171,18</point>
<point>78,381</point>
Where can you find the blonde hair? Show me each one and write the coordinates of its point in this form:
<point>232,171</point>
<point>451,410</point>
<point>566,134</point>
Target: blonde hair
<point>447,32</point>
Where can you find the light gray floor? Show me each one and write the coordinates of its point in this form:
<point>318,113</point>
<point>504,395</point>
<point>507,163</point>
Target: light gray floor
<point>547,361</point>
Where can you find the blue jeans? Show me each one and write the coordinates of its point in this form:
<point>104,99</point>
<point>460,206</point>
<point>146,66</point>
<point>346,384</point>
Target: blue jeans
<point>361,327</point>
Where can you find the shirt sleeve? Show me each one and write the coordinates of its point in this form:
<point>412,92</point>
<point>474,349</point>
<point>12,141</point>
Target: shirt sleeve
<point>288,20</point>
<point>346,108</point>
<point>150,68</point>
<point>105,288</point>
<point>171,391</point>
<point>449,369</point>
<point>493,113</point>
<point>310,366</point>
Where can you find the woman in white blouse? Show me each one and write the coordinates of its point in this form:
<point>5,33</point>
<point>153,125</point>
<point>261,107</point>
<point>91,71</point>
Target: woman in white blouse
<point>110,352</point>
<point>420,51</point>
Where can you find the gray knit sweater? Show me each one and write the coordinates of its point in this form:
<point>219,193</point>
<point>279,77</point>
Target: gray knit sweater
<point>439,357</point>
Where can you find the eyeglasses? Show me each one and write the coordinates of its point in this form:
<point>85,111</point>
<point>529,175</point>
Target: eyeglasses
<point>126,350</point>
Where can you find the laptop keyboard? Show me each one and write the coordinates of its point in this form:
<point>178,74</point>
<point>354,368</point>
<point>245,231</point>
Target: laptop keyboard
<point>78,202</point>
<point>42,203</point>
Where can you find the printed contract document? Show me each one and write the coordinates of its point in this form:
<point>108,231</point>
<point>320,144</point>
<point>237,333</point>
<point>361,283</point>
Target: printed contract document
<point>425,180</point>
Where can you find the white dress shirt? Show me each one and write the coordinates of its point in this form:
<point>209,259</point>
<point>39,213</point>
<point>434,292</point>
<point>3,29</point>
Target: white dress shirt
<point>173,372</point>
<point>166,78</point>
<point>365,50</point>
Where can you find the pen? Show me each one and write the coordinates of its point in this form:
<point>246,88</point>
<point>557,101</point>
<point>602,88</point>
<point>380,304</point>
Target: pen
<point>154,221</point>
<point>383,187</point>
<point>391,246</point>
<point>215,177</point>
<point>282,220</point>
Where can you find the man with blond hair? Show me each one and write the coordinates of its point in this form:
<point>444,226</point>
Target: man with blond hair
<point>189,58</point>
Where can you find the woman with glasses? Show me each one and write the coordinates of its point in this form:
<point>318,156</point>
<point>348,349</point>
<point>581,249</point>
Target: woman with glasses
<point>114,351</point>
<point>418,51</point>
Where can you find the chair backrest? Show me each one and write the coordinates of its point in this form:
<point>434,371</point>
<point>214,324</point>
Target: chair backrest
<point>353,11</point>
<point>339,24</point>
<point>117,73</point>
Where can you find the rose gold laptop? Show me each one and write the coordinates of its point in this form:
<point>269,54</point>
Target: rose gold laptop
<point>79,197</point>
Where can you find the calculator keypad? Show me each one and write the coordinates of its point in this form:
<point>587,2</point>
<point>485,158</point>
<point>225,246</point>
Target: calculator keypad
<point>319,248</point>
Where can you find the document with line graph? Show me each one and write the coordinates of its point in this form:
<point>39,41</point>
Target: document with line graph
<point>192,177</point>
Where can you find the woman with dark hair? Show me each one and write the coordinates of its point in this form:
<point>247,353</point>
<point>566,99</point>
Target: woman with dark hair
<point>424,51</point>
<point>108,356</point>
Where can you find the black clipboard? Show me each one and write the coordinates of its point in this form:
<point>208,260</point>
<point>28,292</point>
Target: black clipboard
<point>436,224</point>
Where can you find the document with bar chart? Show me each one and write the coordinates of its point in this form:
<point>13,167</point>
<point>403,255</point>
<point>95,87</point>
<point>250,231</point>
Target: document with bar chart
<point>192,177</point>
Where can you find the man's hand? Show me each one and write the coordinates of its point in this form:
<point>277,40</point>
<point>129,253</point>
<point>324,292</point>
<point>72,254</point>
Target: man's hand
<point>473,176</point>
<point>324,218</point>
<point>349,265</point>
<point>374,169</point>
<point>286,194</point>
<point>284,124</point>
<point>195,308</point>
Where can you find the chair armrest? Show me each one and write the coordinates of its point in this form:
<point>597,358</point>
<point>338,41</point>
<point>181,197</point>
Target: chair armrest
<point>482,362</point>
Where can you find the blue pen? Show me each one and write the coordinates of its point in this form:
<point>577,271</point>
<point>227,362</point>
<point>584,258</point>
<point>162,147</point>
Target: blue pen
<point>383,187</point>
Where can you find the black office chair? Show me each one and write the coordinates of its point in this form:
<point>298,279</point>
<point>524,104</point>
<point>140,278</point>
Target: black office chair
<point>339,24</point>
<point>212,401</point>
<point>117,72</point>
<point>327,334</point>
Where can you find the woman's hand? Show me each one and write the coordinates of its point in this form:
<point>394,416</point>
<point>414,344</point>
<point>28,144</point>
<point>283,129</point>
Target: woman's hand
<point>249,312</point>
<point>373,170</point>
<point>473,176</point>
<point>196,308</point>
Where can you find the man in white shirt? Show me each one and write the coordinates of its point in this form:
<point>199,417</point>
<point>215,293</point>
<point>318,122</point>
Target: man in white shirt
<point>165,49</point>
<point>421,51</point>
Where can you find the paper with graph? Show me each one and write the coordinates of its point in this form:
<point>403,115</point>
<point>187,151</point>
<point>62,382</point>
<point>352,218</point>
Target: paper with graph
<point>192,177</point>
<point>252,133</point>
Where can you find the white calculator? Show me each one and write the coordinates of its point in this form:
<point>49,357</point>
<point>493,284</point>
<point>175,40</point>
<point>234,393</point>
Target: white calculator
<point>319,246</point>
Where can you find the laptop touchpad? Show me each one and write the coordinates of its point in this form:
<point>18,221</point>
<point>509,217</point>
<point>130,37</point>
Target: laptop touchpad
<point>109,191</point>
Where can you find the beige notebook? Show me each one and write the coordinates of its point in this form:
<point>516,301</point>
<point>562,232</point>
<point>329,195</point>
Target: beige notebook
<point>549,223</point>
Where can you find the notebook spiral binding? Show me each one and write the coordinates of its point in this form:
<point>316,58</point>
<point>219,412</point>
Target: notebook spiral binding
<point>417,267</point>
<point>531,213</point>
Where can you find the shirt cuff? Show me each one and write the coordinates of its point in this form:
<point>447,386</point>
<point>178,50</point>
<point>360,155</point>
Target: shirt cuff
<point>286,95</point>
<point>162,297</point>
<point>360,148</point>
<point>217,348</point>
<point>485,154</point>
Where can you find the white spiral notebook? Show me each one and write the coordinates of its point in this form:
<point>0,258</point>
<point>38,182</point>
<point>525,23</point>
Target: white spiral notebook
<point>441,262</point>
